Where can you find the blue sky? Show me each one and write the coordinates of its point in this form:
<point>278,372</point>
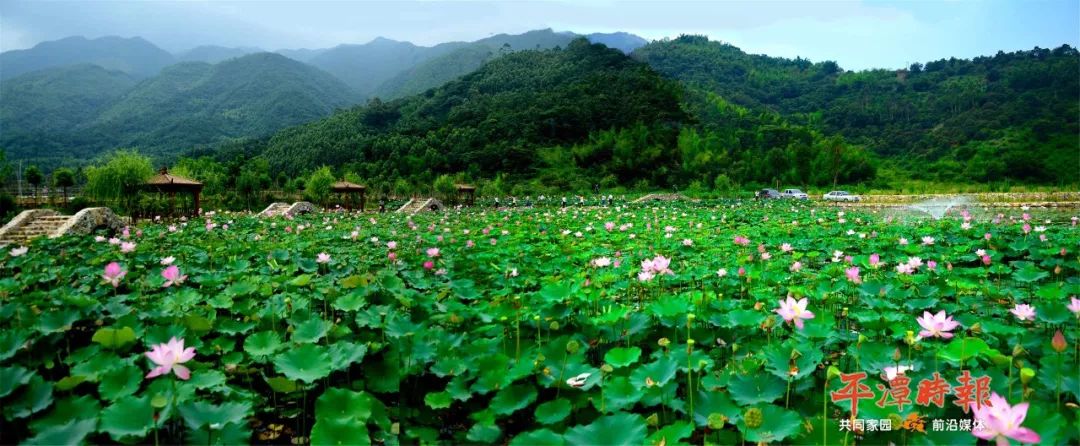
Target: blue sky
<point>857,34</point>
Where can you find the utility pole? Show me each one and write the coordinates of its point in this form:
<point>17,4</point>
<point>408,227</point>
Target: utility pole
<point>18,179</point>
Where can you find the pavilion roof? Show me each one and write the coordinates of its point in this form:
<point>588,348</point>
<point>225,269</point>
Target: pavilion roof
<point>166,180</point>
<point>345,186</point>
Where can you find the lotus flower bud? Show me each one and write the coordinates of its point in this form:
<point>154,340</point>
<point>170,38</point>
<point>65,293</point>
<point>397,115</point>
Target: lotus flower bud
<point>691,317</point>
<point>832,372</point>
<point>896,355</point>
<point>664,342</point>
<point>1058,343</point>
<point>909,337</point>
<point>653,420</point>
<point>753,418</point>
<point>716,421</point>
<point>606,368</point>
<point>976,328</point>
<point>1000,360</point>
<point>1026,374</point>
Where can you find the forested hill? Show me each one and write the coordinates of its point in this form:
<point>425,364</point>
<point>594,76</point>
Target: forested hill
<point>133,55</point>
<point>491,121</point>
<point>1008,115</point>
<point>69,114</point>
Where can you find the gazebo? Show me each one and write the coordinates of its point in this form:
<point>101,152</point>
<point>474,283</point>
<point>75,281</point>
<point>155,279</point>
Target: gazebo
<point>347,190</point>
<point>468,191</point>
<point>167,183</point>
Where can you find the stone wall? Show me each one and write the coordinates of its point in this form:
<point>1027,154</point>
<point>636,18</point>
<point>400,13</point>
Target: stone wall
<point>89,219</point>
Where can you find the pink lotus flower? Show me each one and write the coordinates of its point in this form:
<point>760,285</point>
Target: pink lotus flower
<point>433,252</point>
<point>1023,312</point>
<point>853,275</point>
<point>721,272</point>
<point>18,252</point>
<point>322,257</point>
<point>469,244</point>
<point>931,265</point>
<point>1074,305</point>
<point>392,256</point>
<point>513,272</point>
<point>786,247</point>
<point>795,267</point>
<point>113,274</point>
<point>986,259</point>
<point>645,276</point>
<point>493,241</point>
<point>936,326</point>
<point>875,260</point>
<point>904,268</point>
<point>609,225</point>
<point>794,311</point>
<point>742,271</point>
<point>429,264</point>
<point>114,241</point>
<point>927,241</point>
<point>172,276</point>
<point>172,228</point>
<point>168,260</point>
<point>999,421</point>
<point>168,357</point>
<point>391,245</point>
<point>892,372</point>
<point>601,262</point>
<point>903,241</point>
<point>1026,228</point>
<point>987,236</point>
<point>127,247</point>
<point>741,241</point>
<point>687,242</point>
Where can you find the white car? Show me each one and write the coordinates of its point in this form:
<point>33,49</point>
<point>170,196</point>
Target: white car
<point>794,193</point>
<point>840,195</point>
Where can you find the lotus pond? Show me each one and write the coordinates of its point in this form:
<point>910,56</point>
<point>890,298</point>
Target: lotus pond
<point>720,324</point>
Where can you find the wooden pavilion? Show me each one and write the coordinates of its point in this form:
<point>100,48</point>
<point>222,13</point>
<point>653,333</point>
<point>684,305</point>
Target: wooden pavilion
<point>167,183</point>
<point>348,191</point>
<point>466,193</point>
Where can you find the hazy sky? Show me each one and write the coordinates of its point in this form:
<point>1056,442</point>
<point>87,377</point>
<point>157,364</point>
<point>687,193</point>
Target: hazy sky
<point>857,34</point>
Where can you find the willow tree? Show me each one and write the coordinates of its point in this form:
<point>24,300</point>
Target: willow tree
<point>119,178</point>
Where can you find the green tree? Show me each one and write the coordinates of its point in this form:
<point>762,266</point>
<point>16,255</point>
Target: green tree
<point>34,178</point>
<point>317,187</point>
<point>63,178</point>
<point>119,178</point>
<point>444,186</point>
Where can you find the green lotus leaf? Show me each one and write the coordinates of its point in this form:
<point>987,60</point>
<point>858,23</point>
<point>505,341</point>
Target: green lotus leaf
<point>553,411</point>
<point>114,338</point>
<point>438,400</point>
<point>309,331</point>
<point>757,388</point>
<point>619,429</point>
<point>72,432</point>
<point>776,425</point>
<point>263,343</point>
<point>199,414</point>
<point>120,382</point>
<point>129,418</point>
<point>513,398</point>
<point>341,432</point>
<point>13,377</point>
<point>305,363</point>
<point>622,356</point>
<point>543,436</point>
<point>33,398</point>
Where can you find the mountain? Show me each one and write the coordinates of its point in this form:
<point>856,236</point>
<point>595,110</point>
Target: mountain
<point>621,41</point>
<point>302,54</point>
<point>1011,115</point>
<point>134,56</point>
<point>197,103</point>
<point>494,120</point>
<point>39,108</point>
<point>77,112</point>
<point>465,59</point>
<point>364,67</point>
<point>214,54</point>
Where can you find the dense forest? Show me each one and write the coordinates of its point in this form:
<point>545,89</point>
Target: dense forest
<point>1011,115</point>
